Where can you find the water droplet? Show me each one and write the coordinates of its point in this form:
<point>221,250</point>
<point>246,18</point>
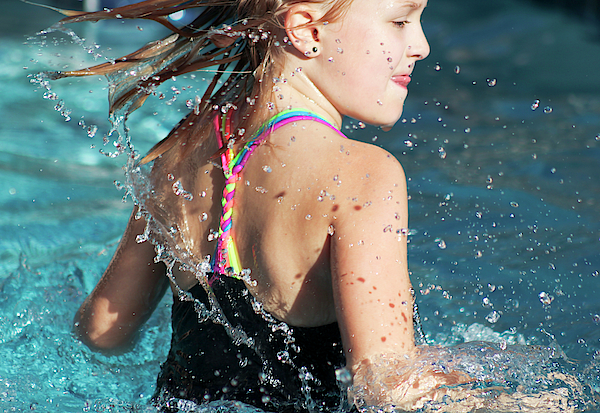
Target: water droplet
<point>261,190</point>
<point>596,318</point>
<point>441,243</point>
<point>91,130</point>
<point>437,67</point>
<point>322,195</point>
<point>493,317</point>
<point>408,143</point>
<point>331,230</point>
<point>335,177</point>
<point>374,138</point>
<point>379,102</point>
<point>179,191</point>
<point>331,59</point>
<point>203,217</point>
<point>308,217</point>
<point>388,228</point>
<point>340,50</point>
<point>535,104</point>
<point>547,109</point>
<point>546,298</point>
<point>457,69</point>
<point>343,376</point>
<point>212,235</point>
<point>467,130</point>
<point>598,137</point>
<point>492,82</point>
<point>267,169</point>
<point>170,177</point>
<point>442,152</point>
<point>514,204</point>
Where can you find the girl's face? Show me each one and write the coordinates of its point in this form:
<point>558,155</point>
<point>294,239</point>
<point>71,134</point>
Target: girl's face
<point>368,56</point>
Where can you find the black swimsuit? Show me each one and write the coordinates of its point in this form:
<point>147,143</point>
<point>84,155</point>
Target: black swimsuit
<point>282,371</point>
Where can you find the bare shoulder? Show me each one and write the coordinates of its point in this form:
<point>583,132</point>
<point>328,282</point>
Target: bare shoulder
<point>315,143</point>
<point>375,166</point>
<point>372,181</point>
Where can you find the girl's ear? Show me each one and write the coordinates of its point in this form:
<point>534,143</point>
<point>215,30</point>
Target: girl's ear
<point>302,27</point>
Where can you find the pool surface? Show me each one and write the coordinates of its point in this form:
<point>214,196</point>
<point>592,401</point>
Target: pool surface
<point>500,141</point>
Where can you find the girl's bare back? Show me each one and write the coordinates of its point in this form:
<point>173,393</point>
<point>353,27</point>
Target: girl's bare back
<point>293,193</point>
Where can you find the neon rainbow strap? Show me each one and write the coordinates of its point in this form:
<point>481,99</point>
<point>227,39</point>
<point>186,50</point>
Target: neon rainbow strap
<point>227,261</point>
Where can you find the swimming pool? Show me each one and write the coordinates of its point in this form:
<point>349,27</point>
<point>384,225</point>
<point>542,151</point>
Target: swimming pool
<point>500,142</point>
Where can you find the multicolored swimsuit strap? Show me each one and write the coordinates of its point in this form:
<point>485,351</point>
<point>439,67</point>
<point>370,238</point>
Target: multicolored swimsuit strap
<point>226,260</point>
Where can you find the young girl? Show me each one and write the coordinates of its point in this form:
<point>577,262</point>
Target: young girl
<point>305,228</point>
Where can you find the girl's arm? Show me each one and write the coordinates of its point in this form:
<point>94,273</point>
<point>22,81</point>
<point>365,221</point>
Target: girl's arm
<point>125,296</point>
<point>372,289</point>
<point>371,285</point>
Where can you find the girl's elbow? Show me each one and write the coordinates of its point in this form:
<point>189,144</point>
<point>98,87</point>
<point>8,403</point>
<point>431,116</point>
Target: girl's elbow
<point>102,338</point>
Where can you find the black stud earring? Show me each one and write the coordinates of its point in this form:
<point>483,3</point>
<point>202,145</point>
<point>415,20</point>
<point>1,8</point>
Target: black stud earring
<point>315,50</point>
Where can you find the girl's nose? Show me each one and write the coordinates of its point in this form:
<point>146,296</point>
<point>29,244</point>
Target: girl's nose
<point>419,48</point>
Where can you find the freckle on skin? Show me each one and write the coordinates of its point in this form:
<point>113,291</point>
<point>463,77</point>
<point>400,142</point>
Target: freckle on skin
<point>361,279</point>
<point>404,317</point>
<point>374,287</point>
<point>383,339</point>
<point>335,208</point>
<point>392,305</point>
<point>357,207</point>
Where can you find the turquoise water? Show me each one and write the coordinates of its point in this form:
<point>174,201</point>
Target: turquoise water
<point>500,142</point>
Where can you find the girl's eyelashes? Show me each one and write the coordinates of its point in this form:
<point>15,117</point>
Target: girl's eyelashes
<point>400,23</point>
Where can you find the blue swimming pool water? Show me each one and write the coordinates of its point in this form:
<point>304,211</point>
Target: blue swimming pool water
<point>505,243</point>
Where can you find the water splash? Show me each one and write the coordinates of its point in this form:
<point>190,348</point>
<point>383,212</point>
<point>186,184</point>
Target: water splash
<point>496,377</point>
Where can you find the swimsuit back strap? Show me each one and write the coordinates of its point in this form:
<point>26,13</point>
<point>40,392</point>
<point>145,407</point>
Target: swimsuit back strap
<point>226,260</point>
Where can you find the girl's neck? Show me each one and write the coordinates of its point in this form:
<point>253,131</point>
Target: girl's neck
<point>295,90</point>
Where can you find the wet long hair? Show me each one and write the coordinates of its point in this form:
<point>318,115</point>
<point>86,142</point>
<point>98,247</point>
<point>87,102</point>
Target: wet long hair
<point>236,38</point>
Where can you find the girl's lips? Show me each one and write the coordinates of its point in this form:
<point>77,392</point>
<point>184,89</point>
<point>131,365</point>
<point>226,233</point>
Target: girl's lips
<point>402,80</point>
